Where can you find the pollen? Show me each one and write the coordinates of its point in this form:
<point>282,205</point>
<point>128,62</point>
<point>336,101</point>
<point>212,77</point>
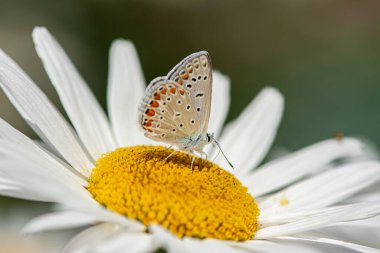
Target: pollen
<point>284,201</point>
<point>145,184</point>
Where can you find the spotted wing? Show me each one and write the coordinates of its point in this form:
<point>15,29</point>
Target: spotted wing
<point>167,112</point>
<point>194,74</point>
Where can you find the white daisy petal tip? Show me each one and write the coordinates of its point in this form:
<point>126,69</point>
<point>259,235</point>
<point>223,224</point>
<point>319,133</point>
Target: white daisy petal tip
<point>123,44</point>
<point>81,105</point>
<point>253,132</point>
<point>126,85</point>
<point>274,94</point>
<point>39,29</point>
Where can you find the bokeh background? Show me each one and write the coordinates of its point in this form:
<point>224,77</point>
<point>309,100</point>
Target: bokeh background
<point>323,55</point>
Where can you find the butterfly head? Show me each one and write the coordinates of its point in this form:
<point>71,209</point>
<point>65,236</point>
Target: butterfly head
<point>209,137</point>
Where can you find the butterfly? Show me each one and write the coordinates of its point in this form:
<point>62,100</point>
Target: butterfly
<point>176,108</point>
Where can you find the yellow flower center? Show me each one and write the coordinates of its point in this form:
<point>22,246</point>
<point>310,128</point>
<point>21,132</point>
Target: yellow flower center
<point>206,202</point>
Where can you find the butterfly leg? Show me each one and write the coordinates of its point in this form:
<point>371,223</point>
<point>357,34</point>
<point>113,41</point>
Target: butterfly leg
<point>172,153</point>
<point>192,163</point>
<point>202,162</point>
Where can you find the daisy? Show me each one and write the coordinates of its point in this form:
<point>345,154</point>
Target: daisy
<point>104,173</point>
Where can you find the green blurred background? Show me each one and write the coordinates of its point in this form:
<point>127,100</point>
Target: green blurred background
<point>323,55</point>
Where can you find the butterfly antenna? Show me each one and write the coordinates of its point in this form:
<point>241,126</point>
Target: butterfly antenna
<point>225,157</point>
<point>213,160</point>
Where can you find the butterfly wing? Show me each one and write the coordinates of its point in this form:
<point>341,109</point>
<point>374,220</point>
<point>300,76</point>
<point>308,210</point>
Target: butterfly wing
<point>194,74</point>
<point>167,112</point>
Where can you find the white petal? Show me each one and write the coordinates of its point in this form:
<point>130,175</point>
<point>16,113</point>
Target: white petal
<point>283,171</point>
<point>164,239</point>
<point>7,132</point>
<point>209,245</point>
<point>83,241</point>
<point>102,214</point>
<point>348,245</point>
<point>247,139</point>
<point>59,220</point>
<point>311,220</point>
<point>274,246</point>
<point>361,232</point>
<point>371,193</point>
<point>79,102</point>
<point>33,174</point>
<point>41,115</point>
<point>126,242</point>
<point>126,86</point>
<point>106,237</point>
<point>10,190</point>
<point>325,189</point>
<point>267,220</point>
<point>220,102</point>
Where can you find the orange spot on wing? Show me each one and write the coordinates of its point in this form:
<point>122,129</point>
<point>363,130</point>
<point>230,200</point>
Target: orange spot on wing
<point>180,82</point>
<point>163,91</point>
<point>150,112</point>
<point>190,70</point>
<point>185,76</point>
<point>154,104</point>
<point>172,90</point>
<point>149,123</point>
<point>157,96</point>
<point>181,92</point>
